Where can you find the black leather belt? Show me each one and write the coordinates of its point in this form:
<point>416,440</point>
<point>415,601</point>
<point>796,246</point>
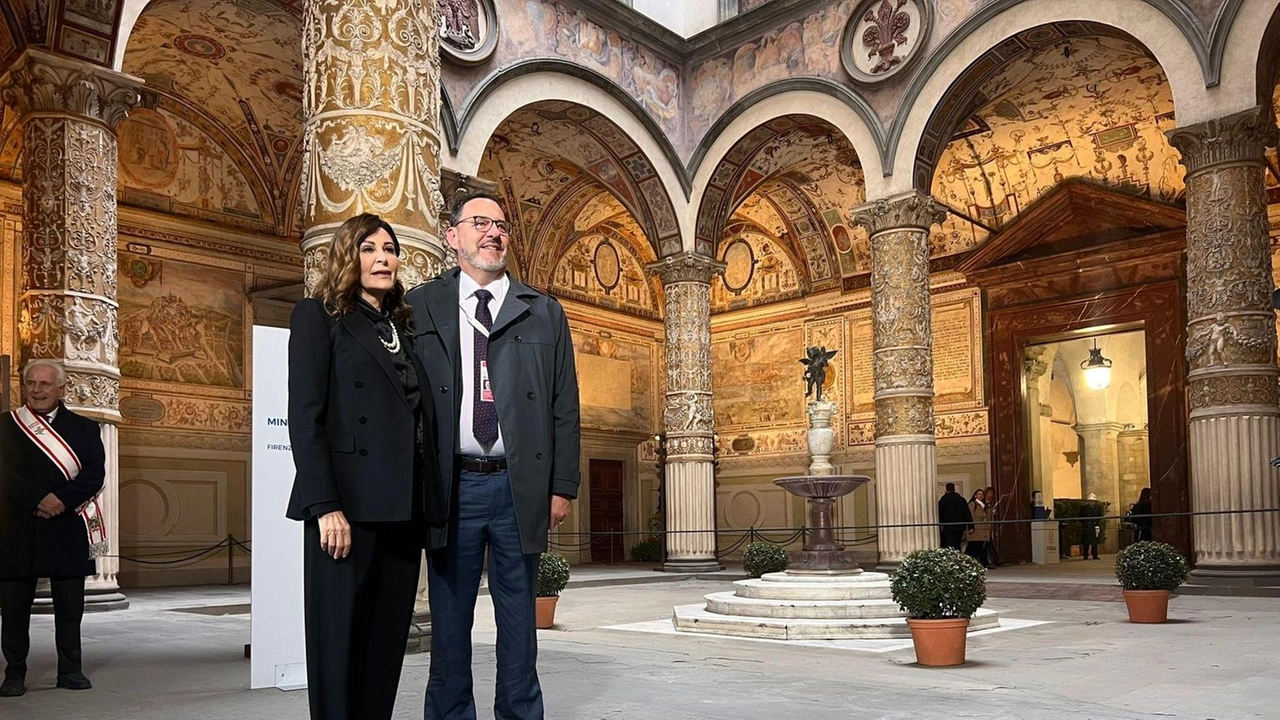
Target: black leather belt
<point>482,465</point>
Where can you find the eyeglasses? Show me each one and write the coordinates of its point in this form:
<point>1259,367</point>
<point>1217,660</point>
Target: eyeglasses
<point>482,224</point>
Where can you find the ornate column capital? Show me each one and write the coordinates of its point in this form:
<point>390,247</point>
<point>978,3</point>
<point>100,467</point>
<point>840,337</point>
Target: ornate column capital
<point>1234,139</point>
<point>910,210</point>
<point>1033,362</point>
<point>43,82</point>
<point>686,267</point>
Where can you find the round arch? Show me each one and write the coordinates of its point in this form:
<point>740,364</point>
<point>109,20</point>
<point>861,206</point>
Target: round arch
<point>495,101</point>
<point>1150,27</point>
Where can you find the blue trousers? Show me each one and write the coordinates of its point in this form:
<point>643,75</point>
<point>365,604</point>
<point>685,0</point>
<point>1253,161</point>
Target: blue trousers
<point>484,518</point>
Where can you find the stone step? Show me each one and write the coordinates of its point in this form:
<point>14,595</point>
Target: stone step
<point>696,619</point>
<point>767,590</point>
<point>863,577</point>
<point>727,603</point>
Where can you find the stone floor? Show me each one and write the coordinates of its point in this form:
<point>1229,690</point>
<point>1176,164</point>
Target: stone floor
<point>177,654</point>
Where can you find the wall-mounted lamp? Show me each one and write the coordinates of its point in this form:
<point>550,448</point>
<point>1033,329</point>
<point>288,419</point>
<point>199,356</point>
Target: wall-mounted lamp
<point>1097,369</point>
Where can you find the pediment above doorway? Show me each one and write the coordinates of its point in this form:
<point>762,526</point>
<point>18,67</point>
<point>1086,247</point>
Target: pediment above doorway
<point>1077,215</point>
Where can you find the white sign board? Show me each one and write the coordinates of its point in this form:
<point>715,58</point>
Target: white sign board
<point>278,653</point>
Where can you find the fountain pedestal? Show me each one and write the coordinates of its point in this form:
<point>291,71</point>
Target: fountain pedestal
<point>822,554</point>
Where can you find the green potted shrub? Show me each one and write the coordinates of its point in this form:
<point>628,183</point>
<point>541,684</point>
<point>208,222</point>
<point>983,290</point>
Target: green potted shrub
<point>939,590</point>
<point>1148,571</point>
<point>553,575</point>
<point>761,558</point>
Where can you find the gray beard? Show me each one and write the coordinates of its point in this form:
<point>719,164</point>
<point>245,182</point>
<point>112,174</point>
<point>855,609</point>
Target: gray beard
<point>474,260</point>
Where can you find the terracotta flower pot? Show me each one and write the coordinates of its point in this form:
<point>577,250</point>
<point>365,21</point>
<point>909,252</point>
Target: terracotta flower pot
<point>546,612</point>
<point>1147,606</point>
<point>939,643</point>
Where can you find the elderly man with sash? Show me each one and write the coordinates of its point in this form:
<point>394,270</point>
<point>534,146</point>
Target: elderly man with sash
<point>52,466</point>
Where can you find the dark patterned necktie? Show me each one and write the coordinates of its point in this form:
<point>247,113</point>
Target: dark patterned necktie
<point>484,420</point>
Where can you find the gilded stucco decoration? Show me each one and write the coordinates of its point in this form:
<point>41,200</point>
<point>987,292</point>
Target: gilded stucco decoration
<point>371,108</point>
<point>901,311</point>
<point>1231,328</point>
<point>883,37</point>
<point>1056,106</point>
<point>68,304</point>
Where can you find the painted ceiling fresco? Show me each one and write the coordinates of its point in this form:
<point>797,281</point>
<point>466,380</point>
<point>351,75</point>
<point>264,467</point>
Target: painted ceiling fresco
<point>808,175</point>
<point>1086,106</point>
<point>554,161</point>
<point>233,68</point>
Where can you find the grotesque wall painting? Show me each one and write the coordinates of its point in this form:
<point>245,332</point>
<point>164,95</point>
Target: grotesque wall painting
<point>225,78</point>
<point>757,271</point>
<point>542,28</point>
<point>181,322</point>
<point>168,164</point>
<point>602,269</point>
<point>1088,106</point>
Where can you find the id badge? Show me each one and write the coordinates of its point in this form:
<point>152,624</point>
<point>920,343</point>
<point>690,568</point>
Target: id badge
<point>486,390</point>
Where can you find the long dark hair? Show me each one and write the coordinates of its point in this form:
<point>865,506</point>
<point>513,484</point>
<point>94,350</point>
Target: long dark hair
<point>339,286</point>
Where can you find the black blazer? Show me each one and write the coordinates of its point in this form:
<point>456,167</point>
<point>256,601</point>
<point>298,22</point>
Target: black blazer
<point>32,546</point>
<point>351,425</point>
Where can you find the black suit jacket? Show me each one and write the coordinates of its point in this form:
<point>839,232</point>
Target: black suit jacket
<point>952,508</point>
<point>535,386</point>
<point>57,546</point>
<point>351,426</point>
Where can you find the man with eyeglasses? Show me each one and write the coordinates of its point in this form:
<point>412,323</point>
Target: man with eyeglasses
<point>52,466</point>
<point>499,359</point>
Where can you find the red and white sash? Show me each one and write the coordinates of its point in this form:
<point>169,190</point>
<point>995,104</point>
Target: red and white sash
<point>41,433</point>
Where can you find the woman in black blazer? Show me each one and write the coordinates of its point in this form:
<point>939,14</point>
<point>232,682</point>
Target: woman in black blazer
<point>363,489</point>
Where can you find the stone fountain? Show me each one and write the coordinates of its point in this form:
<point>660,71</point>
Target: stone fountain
<point>823,594</point>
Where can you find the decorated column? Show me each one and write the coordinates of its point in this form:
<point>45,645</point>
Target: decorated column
<point>371,133</point>
<point>687,415</point>
<point>1231,346</point>
<point>69,111</point>
<point>906,450</point>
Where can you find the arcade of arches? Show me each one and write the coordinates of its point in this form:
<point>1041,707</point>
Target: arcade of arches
<point>963,211</point>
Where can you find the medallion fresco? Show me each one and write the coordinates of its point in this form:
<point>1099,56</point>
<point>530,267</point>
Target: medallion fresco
<point>1095,107</point>
<point>602,269</point>
<point>181,322</point>
<point>757,271</point>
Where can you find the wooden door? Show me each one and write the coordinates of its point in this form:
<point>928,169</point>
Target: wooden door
<point>606,512</point>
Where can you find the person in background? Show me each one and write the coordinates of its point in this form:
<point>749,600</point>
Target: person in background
<point>954,517</point>
<point>1140,515</point>
<point>52,465</point>
<point>981,532</point>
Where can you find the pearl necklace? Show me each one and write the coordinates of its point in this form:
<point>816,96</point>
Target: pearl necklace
<point>392,347</point>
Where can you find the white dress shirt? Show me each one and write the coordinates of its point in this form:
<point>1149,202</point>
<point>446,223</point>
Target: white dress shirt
<point>467,325</point>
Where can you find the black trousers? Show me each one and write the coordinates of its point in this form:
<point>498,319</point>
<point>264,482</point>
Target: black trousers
<point>358,611</point>
<point>977,549</point>
<point>952,538</point>
<point>16,597</point>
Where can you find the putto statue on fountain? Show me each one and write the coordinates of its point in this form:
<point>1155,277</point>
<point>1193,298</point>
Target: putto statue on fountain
<point>815,373</point>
